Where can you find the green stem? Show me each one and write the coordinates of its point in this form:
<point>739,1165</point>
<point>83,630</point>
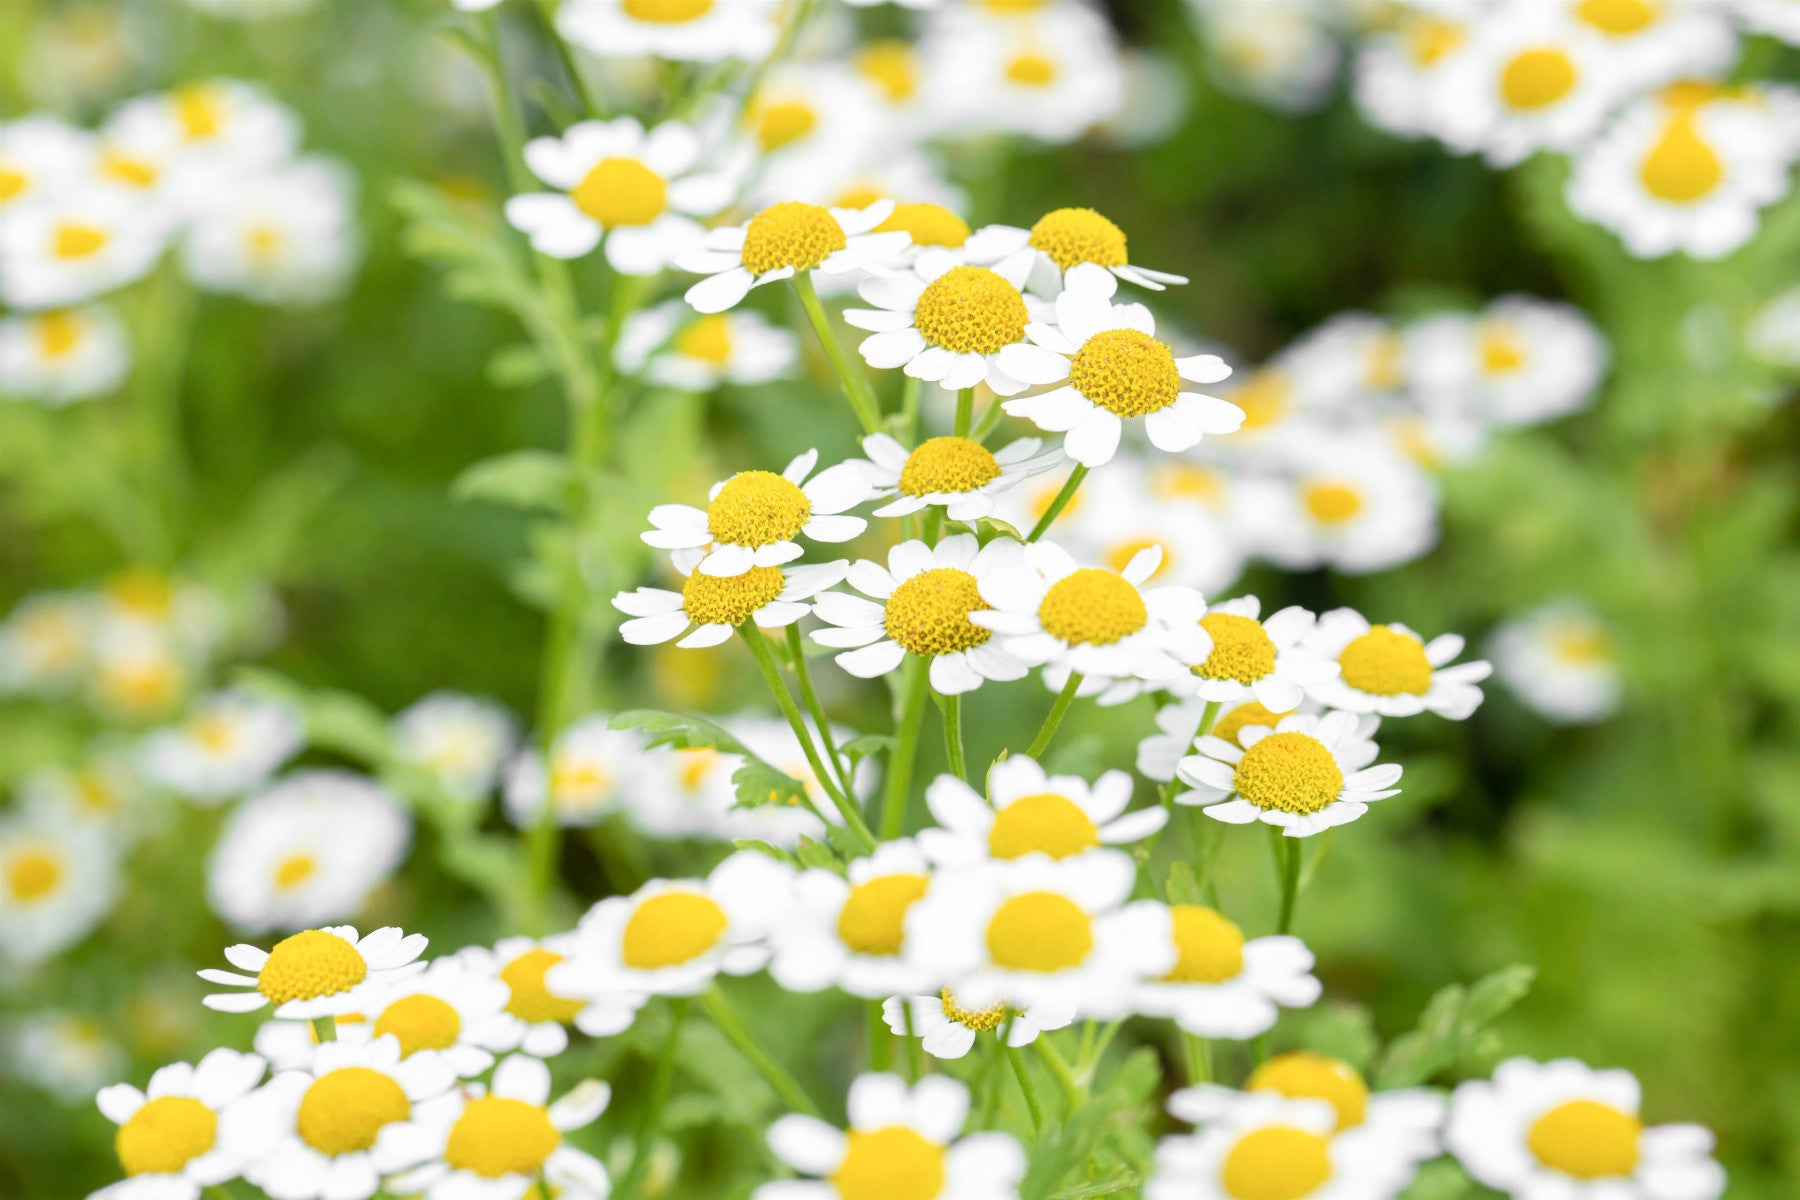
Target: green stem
<point>1054,718</point>
<point>953,737</point>
<point>765,660</point>
<point>719,1010</point>
<point>590,106</point>
<point>659,1096</point>
<point>324,1029</point>
<point>990,1102</point>
<point>909,409</point>
<point>915,1053</point>
<point>900,766</point>
<point>810,697</point>
<point>1025,1085</point>
<point>1287,853</point>
<point>855,383</point>
<point>1092,1059</point>
<point>881,1038</point>
<point>1198,1053</point>
<point>1166,796</point>
<point>965,411</point>
<point>1059,1067</point>
<point>1069,487</point>
<point>989,419</point>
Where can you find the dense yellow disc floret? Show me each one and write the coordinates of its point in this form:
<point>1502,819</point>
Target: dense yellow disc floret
<point>308,965</point>
<point>1586,1139</point>
<point>621,191</point>
<point>1277,1162</point>
<point>970,310</point>
<point>1127,373</point>
<point>1386,662</point>
<point>1092,607</point>
<point>873,919</point>
<point>498,1136</point>
<point>948,465</point>
<point>1289,772</point>
<point>1079,235</point>
<point>1039,931</point>
<point>1209,948</point>
<point>343,1111</point>
<point>531,1000</point>
<point>1044,823</point>
<point>163,1135</point>
<point>791,234</point>
<point>729,600</point>
<point>891,1163</point>
<point>1241,649</point>
<point>929,613</point>
<point>671,928</point>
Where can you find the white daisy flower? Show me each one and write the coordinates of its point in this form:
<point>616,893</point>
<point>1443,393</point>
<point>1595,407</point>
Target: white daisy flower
<point>450,1010</point>
<point>1098,623</point>
<point>851,933</point>
<point>58,878</point>
<point>1306,774</point>
<point>1280,53</point>
<point>231,742</point>
<point>669,349</point>
<point>1392,671</point>
<point>1689,169</point>
<point>1039,259</point>
<point>944,321</point>
<point>75,247</point>
<point>1520,361</point>
<point>1265,660</point>
<point>45,642</point>
<point>1350,364</point>
<point>804,113</point>
<point>1222,985</point>
<point>683,30</point>
<point>673,936</point>
<point>1773,336</point>
<point>287,235</point>
<point>1179,724</point>
<point>317,972</point>
<point>1265,1144</point>
<point>191,615</point>
<point>1654,41</point>
<point>902,1141</point>
<point>709,608</point>
<point>1564,1129</point>
<point>1400,72</point>
<point>1108,369</point>
<point>69,1056</point>
<point>350,1116</point>
<point>752,518</point>
<point>958,474</point>
<point>537,1015</point>
<point>1036,930</point>
<point>947,1030</point>
<point>591,767</point>
<point>1347,500</point>
<point>639,191</point>
<point>206,137</point>
<point>1559,659</point>
<point>63,355</point>
<point>139,673</point>
<point>773,740</point>
<point>1061,816</point>
<point>306,852</point>
<point>462,740</point>
<point>926,598</point>
<point>194,1126</point>
<point>41,156</point>
<point>782,240</point>
<point>498,1145</point>
<point>1052,77</point>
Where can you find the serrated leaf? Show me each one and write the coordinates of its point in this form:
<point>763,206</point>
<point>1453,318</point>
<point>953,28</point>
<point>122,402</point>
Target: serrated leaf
<point>1453,1028</point>
<point>527,479</point>
<point>1492,995</point>
<point>989,528</point>
<point>756,781</point>
<point>867,745</point>
<point>817,854</point>
<point>517,366</point>
<point>761,847</point>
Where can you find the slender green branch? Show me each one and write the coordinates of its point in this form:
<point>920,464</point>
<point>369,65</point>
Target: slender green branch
<point>953,737</point>
<point>721,1013</point>
<point>808,696</point>
<point>590,106</point>
<point>990,1102</point>
<point>1025,1085</point>
<point>965,411</point>
<point>1054,717</point>
<point>653,1106</point>
<point>1072,1088</point>
<point>909,409</point>
<point>1061,502</point>
<point>1287,850</point>
<point>324,1029</point>
<point>850,375</point>
<point>989,419</point>
<point>881,1038</point>
<point>1197,1052</point>
<point>900,765</point>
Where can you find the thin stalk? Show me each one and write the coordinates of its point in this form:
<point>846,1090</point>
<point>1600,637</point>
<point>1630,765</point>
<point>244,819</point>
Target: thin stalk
<point>1093,1057</point>
<point>1059,1067</point>
<point>915,1055</point>
<point>900,766</point>
<point>965,411</point>
<point>990,1103</point>
<point>909,409</point>
<point>1069,487</point>
<point>324,1029</point>
<point>1025,1085</point>
<point>720,1012</point>
<point>590,106</point>
<point>855,383</point>
<point>1166,796</point>
<point>810,697</point>
<point>881,1038</point>
<point>1198,1053</point>
<point>659,1096</point>
<point>989,419</point>
<point>1287,849</point>
<point>1054,717</point>
<point>953,737</point>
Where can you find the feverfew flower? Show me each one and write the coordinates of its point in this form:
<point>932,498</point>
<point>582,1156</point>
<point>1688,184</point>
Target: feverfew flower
<point>947,1030</point>
<point>451,1010</point>
<point>958,474</point>
<point>1108,368</point>
<point>672,349</point>
<point>1222,985</point>
<point>80,245</point>
<point>45,642</point>
<point>683,30</point>
<point>58,877</point>
<point>1559,660</point>
<point>1564,1128</point>
<point>1256,659</point>
<point>41,155</point>
<point>902,1141</point>
<point>782,240</point>
<point>1349,501</point>
<point>62,355</point>
<point>1306,774</point>
<point>1278,52</point>
<point>1039,258</point>
<point>462,740</point>
<point>206,135</point>
<point>1399,72</point>
<point>317,972</point>
<point>230,743</point>
<point>944,321</point>
<point>851,933</point>
<point>1051,77</point>
<point>1392,671</point>
<point>752,518</point>
<point>591,766</point>
<point>638,191</point>
<point>287,235</point>
<point>1061,816</point>
<point>307,851</point>
<point>67,1055</point>
<point>193,1127</point>
<point>713,608</point>
<point>536,1016</point>
<point>1519,361</point>
<point>1180,725</point>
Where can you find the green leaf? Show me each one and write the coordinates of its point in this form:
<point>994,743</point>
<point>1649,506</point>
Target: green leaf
<point>774,852</point>
<point>867,745</point>
<point>1183,888</point>
<point>817,854</point>
<point>517,366</point>
<point>1453,1028</point>
<point>526,479</point>
<point>757,782</point>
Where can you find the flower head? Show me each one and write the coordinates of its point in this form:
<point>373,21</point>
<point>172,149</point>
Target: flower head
<point>1559,658</point>
<point>231,742</point>
<point>537,1014</point>
<point>1224,985</point>
<point>1392,671</point>
<point>194,1126</point>
<point>709,608</point>
<point>1061,816</point>
<point>62,355</point>
<point>317,972</point>
<point>945,321</point>
<point>958,474</point>
<point>680,30</point>
<point>58,878</point>
<point>1304,775</point>
<point>672,348</point>
<point>851,932</point>
<point>1041,258</point>
<point>752,518</point>
<point>783,240</point>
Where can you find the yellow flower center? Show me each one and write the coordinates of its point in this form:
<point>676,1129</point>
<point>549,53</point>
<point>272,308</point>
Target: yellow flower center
<point>498,1136</point>
<point>1681,168</point>
<point>33,875</point>
<point>132,172</point>
<point>1581,646</point>
<point>143,688</point>
<point>892,67</point>
<point>1291,772</point>
<point>264,244</point>
<point>948,465</point>
<point>1126,372</point>
<point>621,191</point>
<point>308,965</point>
<point>1303,1076</point>
<point>757,508</point>
<point>1501,348</point>
<point>928,224</point>
<point>420,1022</point>
<point>1537,78</point>
<point>791,234</point>
<point>200,109</point>
<point>859,195</point>
<point>294,870</point>
<point>1386,662</point>
<point>873,919</point>
<point>981,1020</point>
<point>1039,931</point>
<point>667,12</point>
<point>1077,235</point>
<point>1249,713</point>
<point>1187,481</point>
<point>1009,8</point>
<point>695,767</point>
<point>1042,823</point>
<point>929,613</point>
<point>707,339</point>
<point>1331,503</point>
<point>1209,948</point>
<point>971,310</point>
<point>1119,555</point>
<point>12,182</point>
<point>729,600</point>
<point>1277,1162</point>
<point>671,928</point>
<point>1383,363</point>
<point>1241,649</point>
<point>144,592</point>
<point>1092,607</point>
<point>783,122</point>
<point>58,333</point>
<point>892,1163</point>
<point>1618,17</point>
<point>95,793</point>
<point>163,1135</point>
<point>1429,39</point>
<point>1586,1139</point>
<point>1031,70</point>
<point>1264,397</point>
<point>343,1111</point>
<point>531,1000</point>
<point>76,240</point>
<point>579,784</point>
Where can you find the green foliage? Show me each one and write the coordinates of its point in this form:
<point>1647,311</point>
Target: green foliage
<point>1453,1033</point>
<point>757,782</point>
